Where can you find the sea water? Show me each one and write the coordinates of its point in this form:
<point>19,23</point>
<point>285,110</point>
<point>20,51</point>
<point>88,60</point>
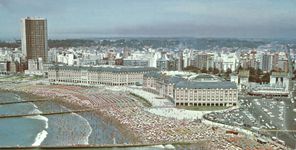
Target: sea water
<point>36,130</point>
<point>23,131</point>
<point>51,130</point>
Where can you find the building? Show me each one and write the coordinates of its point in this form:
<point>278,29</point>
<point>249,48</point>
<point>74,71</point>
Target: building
<point>164,63</point>
<point>225,61</point>
<point>280,79</point>
<point>278,86</point>
<point>267,90</point>
<point>180,63</point>
<point>206,93</point>
<point>266,64</point>
<point>12,67</point>
<point>92,76</point>
<point>133,62</point>
<point>230,61</point>
<point>3,68</point>
<point>241,79</point>
<point>195,90</point>
<point>126,52</point>
<point>282,63</point>
<point>34,38</point>
<point>200,60</point>
<point>248,60</point>
<point>35,67</point>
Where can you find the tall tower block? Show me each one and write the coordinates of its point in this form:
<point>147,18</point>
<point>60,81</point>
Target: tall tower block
<point>34,38</point>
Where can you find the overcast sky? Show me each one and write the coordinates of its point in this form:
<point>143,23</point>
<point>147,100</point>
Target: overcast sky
<point>156,18</point>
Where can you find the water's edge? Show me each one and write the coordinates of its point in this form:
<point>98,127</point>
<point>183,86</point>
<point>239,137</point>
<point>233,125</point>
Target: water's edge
<point>43,135</point>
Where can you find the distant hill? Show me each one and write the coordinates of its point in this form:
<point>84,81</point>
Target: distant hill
<point>139,43</point>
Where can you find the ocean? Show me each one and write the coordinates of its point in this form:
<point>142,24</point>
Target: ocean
<point>51,130</point>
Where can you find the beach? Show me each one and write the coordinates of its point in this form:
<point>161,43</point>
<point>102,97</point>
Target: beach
<point>140,124</point>
<point>56,130</point>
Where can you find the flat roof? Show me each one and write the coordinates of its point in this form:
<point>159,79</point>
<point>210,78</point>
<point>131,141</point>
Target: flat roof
<point>105,68</point>
<point>34,18</point>
<point>206,85</point>
<point>181,82</point>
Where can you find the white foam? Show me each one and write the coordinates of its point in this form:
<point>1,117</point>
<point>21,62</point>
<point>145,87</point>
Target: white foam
<point>85,141</point>
<point>158,146</point>
<point>34,105</point>
<point>36,110</point>
<point>18,97</point>
<point>39,117</point>
<point>43,134</point>
<point>40,138</point>
<point>90,131</point>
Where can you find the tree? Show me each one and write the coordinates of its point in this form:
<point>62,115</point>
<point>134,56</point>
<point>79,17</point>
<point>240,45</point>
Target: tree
<point>228,71</point>
<point>254,78</point>
<point>265,78</point>
<point>204,70</point>
<point>259,72</point>
<point>192,69</point>
<point>240,67</point>
<point>210,69</point>
<point>215,71</point>
<point>252,71</point>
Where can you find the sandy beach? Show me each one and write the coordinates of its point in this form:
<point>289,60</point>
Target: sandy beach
<point>138,122</point>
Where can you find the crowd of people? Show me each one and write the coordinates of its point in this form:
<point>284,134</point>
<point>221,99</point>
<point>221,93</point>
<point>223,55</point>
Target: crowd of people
<point>131,115</point>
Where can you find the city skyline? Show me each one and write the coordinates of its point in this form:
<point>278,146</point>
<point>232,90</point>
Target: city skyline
<point>80,19</point>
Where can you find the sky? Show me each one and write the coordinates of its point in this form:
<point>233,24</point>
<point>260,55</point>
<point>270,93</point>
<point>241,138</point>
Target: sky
<point>153,18</point>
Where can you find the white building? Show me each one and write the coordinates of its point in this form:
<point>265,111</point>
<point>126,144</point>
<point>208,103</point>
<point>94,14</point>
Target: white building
<point>241,79</point>
<point>97,75</point>
<point>280,79</point>
<point>197,90</point>
<point>35,67</point>
<point>3,68</point>
<point>229,60</point>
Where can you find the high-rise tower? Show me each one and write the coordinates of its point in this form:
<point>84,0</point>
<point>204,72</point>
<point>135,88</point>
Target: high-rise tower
<point>290,73</point>
<point>34,38</point>
<point>180,61</point>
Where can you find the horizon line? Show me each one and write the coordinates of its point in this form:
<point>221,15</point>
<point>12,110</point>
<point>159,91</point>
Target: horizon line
<point>156,37</point>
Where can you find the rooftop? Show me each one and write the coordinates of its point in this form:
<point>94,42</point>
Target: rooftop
<point>197,81</point>
<point>206,85</point>
<point>106,68</point>
<point>33,18</point>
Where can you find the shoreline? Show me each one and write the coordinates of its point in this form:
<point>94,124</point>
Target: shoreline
<point>131,119</point>
<point>27,95</point>
<point>41,136</point>
<point>105,118</point>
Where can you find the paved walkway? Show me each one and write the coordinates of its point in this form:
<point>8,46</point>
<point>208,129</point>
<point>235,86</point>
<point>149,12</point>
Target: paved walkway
<point>164,107</point>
